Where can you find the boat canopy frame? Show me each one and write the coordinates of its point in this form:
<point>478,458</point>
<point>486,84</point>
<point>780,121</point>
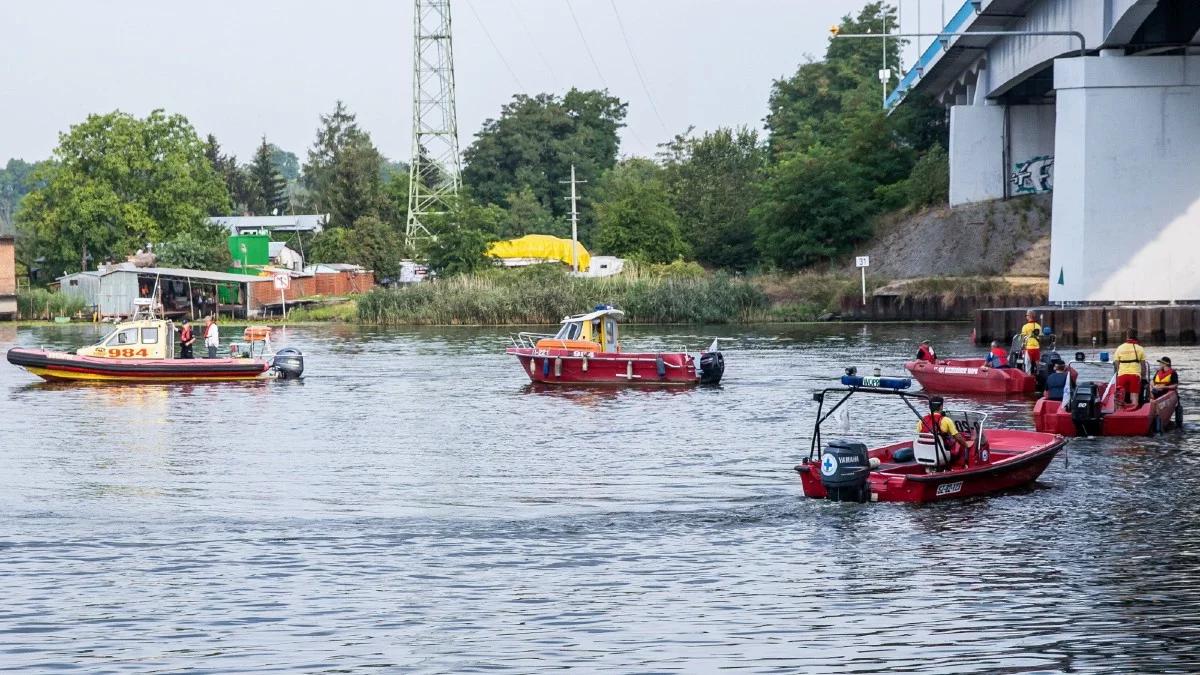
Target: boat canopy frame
<point>815,449</point>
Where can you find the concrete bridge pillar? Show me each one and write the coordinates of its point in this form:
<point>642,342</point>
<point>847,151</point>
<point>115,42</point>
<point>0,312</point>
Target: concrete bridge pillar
<point>1127,196</point>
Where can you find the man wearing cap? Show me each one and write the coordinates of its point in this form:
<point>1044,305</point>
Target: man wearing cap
<point>925,352</point>
<point>1166,379</point>
<point>945,427</point>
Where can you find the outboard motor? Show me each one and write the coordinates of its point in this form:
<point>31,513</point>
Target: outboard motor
<point>288,363</point>
<point>712,367</point>
<point>844,469</point>
<point>1085,409</point>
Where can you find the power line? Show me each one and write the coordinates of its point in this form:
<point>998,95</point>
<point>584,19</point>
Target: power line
<point>636,66</point>
<point>496,47</point>
<point>534,42</point>
<point>586,48</point>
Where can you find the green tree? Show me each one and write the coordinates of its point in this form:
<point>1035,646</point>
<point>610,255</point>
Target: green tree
<point>712,181</point>
<point>534,142</point>
<point>527,215</point>
<point>287,164</point>
<point>811,207</point>
<point>237,181</point>
<point>16,181</point>
<point>119,183</point>
<point>268,189</point>
<point>344,171</point>
<point>203,248</point>
<point>634,217</point>
<point>395,200</point>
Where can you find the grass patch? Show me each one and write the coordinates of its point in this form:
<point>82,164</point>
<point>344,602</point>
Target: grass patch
<point>343,312</point>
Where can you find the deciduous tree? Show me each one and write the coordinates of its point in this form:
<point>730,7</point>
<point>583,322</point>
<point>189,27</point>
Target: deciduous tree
<point>634,218</point>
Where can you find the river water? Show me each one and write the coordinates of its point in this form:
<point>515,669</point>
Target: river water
<point>413,505</point>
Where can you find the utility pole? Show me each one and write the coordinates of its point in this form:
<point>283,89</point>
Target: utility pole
<point>434,173</point>
<point>574,219</point>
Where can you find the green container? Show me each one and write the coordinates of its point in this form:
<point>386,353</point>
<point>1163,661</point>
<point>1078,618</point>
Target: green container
<point>248,251</point>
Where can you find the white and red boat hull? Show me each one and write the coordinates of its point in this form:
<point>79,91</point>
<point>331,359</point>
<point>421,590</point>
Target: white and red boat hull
<point>565,366</point>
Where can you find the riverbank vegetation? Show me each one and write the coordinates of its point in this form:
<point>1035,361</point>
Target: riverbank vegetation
<point>803,191</point>
<point>39,304</point>
<point>545,294</point>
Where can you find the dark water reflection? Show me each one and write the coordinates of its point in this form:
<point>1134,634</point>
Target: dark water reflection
<point>414,505</point>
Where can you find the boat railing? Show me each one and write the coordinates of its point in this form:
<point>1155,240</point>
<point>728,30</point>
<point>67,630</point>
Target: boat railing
<point>528,340</point>
<point>973,421</point>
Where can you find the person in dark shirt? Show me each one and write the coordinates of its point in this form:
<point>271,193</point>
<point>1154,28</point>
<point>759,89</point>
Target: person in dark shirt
<point>1056,382</point>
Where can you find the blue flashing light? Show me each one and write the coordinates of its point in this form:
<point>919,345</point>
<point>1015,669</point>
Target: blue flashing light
<point>1103,357</point>
<point>877,382</point>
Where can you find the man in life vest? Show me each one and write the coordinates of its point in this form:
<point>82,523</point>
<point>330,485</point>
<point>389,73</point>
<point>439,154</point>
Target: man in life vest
<point>1166,379</point>
<point>925,352</point>
<point>186,340</point>
<point>1131,361</point>
<point>945,427</point>
<point>997,356</point>
<point>1031,331</point>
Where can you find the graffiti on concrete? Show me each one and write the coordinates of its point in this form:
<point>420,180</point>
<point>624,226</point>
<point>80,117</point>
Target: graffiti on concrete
<point>1033,176</point>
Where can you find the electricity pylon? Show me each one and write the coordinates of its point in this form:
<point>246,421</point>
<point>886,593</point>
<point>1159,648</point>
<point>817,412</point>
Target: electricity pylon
<point>433,178</point>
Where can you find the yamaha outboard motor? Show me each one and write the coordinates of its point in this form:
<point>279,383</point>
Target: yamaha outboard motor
<point>844,470</point>
<point>288,363</point>
<point>1085,409</point>
<point>712,367</point>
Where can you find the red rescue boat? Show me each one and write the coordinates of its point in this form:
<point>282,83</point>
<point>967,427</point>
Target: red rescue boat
<point>921,469</point>
<point>971,376</point>
<point>1095,406</point>
<point>586,350</point>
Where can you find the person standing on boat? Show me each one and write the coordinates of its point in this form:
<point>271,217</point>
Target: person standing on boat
<point>212,336</point>
<point>186,340</point>
<point>1033,348</point>
<point>1166,379</point>
<point>925,352</point>
<point>952,439</point>
<point>1131,362</point>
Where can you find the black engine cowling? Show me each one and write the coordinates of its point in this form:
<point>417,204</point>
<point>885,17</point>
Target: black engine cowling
<point>712,367</point>
<point>288,363</point>
<point>844,468</point>
<point>1085,409</point>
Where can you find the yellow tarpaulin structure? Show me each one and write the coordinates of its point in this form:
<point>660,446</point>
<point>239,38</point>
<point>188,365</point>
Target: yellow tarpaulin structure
<point>535,247</point>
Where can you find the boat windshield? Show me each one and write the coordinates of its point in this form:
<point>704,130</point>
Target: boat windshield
<point>569,331</point>
<point>1091,371</point>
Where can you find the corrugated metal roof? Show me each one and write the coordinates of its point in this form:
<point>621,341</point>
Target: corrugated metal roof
<point>305,223</point>
<point>191,274</point>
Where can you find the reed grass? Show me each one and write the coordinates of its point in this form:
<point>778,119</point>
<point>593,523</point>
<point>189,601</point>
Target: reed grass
<point>40,304</point>
<point>545,296</point>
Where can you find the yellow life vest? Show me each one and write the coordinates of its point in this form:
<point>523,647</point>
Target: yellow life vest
<point>1031,331</point>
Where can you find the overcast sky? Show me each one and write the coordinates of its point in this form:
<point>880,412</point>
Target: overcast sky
<point>241,69</point>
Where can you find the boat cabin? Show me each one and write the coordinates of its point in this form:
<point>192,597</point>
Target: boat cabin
<point>595,331</point>
<point>140,339</point>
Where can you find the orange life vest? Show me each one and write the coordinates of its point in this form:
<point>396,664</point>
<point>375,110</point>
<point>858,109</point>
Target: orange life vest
<point>1164,376</point>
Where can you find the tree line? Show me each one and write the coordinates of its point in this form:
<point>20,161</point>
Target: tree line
<point>801,193</point>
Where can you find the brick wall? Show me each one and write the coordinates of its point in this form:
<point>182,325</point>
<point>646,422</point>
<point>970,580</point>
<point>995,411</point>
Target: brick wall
<point>8,267</point>
<point>339,284</point>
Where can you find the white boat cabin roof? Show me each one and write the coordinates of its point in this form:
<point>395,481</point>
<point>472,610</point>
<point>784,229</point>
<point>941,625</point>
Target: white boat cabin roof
<point>607,311</point>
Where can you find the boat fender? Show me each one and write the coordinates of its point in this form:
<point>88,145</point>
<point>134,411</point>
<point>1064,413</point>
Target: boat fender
<point>660,366</point>
<point>629,369</point>
<point>903,455</point>
<point>558,367</point>
<point>532,366</point>
<point>545,367</point>
<point>585,363</point>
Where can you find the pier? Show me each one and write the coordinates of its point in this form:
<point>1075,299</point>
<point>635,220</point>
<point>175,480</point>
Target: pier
<point>1101,325</point>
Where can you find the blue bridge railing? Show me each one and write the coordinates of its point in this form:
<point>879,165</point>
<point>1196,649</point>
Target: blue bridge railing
<point>954,25</point>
